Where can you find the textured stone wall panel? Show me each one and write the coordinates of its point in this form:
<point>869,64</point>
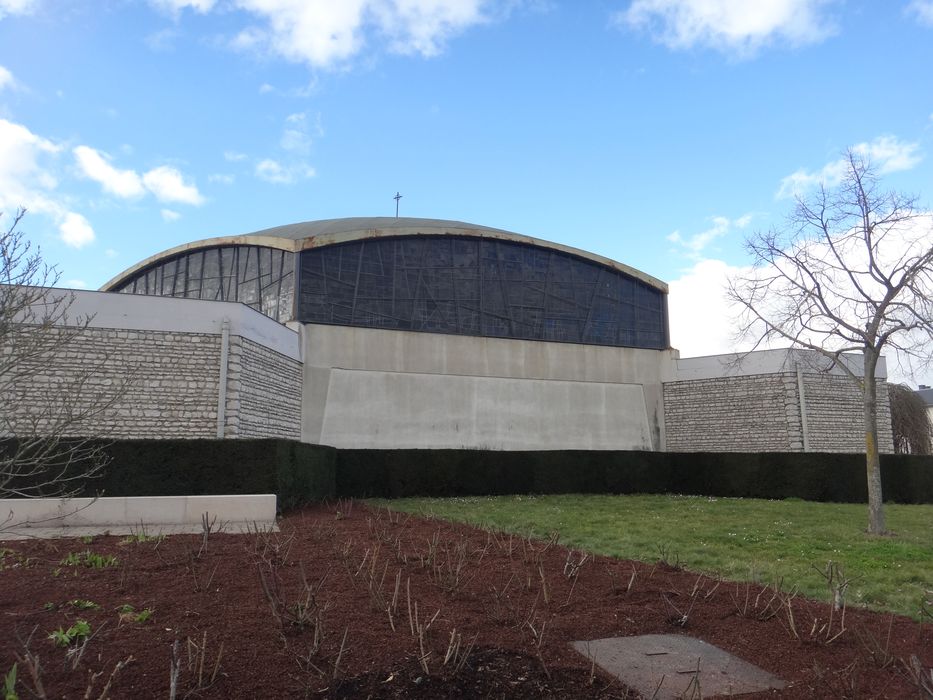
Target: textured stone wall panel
<point>835,419</point>
<point>761,413</point>
<point>734,414</point>
<point>134,383</point>
<point>263,392</point>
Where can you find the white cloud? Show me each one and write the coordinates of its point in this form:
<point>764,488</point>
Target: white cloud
<point>295,137</point>
<point>6,79</point>
<point>168,185</point>
<point>162,40</point>
<point>111,253</point>
<point>323,33</point>
<point>886,153</point>
<point>169,215</point>
<point>176,6</point>
<point>233,156</point>
<point>693,246</point>
<point>96,166</point>
<point>20,168</point>
<point>221,178</point>
<point>27,179</point>
<point>76,284</point>
<point>423,26</point>
<point>75,230</point>
<point>702,319</point>
<point>731,26</point>
<point>272,171</point>
<point>16,7</point>
<point>922,10</point>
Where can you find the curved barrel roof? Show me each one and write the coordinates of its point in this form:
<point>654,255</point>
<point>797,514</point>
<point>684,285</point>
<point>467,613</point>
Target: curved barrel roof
<point>315,234</point>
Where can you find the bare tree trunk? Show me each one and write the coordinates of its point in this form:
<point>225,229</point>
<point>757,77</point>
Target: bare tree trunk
<point>872,458</point>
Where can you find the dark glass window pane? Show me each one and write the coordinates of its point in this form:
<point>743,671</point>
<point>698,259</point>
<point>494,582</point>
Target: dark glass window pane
<point>472,286</point>
<point>443,284</point>
<point>260,277</point>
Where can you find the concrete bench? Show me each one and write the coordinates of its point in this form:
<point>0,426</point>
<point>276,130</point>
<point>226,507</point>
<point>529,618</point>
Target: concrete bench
<point>76,517</point>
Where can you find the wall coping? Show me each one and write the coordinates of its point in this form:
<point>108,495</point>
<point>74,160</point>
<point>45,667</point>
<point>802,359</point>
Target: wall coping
<point>768,362</point>
<point>139,312</point>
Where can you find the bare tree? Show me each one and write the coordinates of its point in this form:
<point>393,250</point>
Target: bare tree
<point>852,272</point>
<point>910,421</point>
<point>49,436</point>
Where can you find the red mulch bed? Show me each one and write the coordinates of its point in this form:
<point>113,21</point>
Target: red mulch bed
<point>515,605</point>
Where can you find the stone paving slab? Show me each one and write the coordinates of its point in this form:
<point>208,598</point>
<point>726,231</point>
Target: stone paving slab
<point>641,662</point>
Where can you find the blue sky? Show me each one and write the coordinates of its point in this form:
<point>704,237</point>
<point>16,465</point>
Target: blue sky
<point>654,132</point>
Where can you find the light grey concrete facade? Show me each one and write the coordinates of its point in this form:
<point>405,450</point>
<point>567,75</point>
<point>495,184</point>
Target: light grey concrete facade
<point>366,387</point>
<point>406,409</point>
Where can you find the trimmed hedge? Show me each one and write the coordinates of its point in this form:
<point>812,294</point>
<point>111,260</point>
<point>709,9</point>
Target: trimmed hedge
<point>300,473</point>
<point>810,476</point>
<point>296,472</point>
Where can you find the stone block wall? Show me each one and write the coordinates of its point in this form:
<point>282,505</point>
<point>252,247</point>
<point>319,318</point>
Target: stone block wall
<point>834,415</point>
<point>263,392</point>
<point>756,413</point>
<point>128,384</point>
<point>151,384</point>
<point>762,413</point>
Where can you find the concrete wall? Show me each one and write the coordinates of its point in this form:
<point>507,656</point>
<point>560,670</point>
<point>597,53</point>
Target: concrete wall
<point>151,367</point>
<point>770,401</point>
<point>404,409</point>
<point>465,389</point>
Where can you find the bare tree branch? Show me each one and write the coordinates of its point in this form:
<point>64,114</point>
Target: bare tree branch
<point>910,421</point>
<point>851,272</point>
<point>50,440</point>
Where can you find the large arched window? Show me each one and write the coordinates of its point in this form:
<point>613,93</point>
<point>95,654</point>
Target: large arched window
<point>263,278</point>
<point>478,286</point>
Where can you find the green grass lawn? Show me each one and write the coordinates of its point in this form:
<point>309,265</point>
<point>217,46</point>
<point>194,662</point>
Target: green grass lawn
<point>740,539</point>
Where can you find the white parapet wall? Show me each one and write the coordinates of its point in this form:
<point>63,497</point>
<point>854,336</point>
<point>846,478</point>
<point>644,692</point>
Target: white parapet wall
<point>70,517</point>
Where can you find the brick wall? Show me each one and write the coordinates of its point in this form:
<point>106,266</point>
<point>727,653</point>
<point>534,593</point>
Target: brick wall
<point>264,392</point>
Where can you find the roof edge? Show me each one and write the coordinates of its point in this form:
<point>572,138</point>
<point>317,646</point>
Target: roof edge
<point>434,228</point>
